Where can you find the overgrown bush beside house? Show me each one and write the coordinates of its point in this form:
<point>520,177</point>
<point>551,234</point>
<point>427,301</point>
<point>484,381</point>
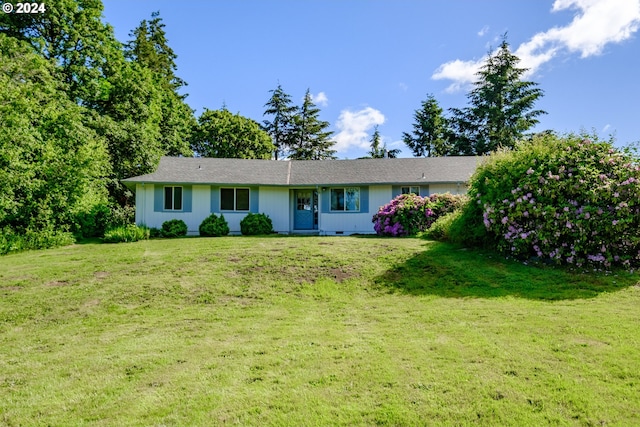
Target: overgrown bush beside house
<point>410,214</point>
<point>214,226</point>
<point>256,224</point>
<point>174,228</point>
<point>568,200</point>
<point>11,241</point>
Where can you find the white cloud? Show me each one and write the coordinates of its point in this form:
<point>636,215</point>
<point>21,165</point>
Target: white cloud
<point>461,72</point>
<point>596,24</point>
<point>483,31</point>
<point>353,128</point>
<point>606,128</point>
<point>320,99</point>
<point>403,86</point>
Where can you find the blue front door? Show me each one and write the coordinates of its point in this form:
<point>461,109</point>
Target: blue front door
<point>305,210</point>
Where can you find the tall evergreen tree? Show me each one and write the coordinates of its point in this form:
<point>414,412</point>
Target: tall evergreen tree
<point>280,128</point>
<point>429,137</point>
<point>311,140</point>
<point>378,149</point>
<point>150,49</point>
<point>502,106</point>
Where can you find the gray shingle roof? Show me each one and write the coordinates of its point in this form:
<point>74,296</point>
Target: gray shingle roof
<point>187,170</point>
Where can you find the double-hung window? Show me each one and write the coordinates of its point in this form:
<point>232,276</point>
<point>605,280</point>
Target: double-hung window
<point>345,199</point>
<point>410,190</point>
<point>172,198</point>
<point>234,199</point>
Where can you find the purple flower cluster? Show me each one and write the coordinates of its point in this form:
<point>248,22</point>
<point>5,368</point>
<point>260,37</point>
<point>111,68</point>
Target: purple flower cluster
<point>579,206</point>
<point>409,214</point>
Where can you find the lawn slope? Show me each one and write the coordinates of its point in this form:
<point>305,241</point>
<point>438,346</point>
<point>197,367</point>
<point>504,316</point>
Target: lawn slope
<point>311,331</point>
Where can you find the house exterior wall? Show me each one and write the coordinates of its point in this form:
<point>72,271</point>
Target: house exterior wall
<point>274,201</point>
<point>199,201</point>
<point>150,212</point>
<point>448,188</point>
<point>372,197</point>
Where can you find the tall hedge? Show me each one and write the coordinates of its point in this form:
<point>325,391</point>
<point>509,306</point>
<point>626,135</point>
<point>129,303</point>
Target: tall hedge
<point>571,200</point>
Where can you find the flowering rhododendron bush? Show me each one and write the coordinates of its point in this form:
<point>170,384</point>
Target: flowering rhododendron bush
<point>409,214</point>
<point>570,200</point>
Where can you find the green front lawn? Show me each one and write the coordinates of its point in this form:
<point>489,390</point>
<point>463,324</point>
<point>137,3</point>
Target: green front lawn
<point>311,331</point>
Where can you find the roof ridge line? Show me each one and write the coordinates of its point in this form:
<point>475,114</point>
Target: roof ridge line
<point>289,173</point>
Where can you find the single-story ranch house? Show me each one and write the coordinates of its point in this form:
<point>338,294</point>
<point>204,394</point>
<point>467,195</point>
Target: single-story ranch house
<point>326,197</point>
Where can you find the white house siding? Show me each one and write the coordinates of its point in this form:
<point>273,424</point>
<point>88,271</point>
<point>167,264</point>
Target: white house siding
<point>200,203</point>
<point>448,188</point>
<point>274,201</point>
<point>351,222</point>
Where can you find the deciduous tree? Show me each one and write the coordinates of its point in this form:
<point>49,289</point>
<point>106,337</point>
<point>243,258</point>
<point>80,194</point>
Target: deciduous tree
<point>222,134</point>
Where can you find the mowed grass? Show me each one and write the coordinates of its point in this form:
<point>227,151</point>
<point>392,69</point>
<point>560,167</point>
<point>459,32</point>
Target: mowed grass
<point>312,331</point>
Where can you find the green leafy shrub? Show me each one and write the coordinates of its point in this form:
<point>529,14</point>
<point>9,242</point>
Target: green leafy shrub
<point>155,232</point>
<point>569,200</point>
<point>10,241</point>
<point>256,224</point>
<point>409,214</point>
<point>214,226</point>
<point>440,229</point>
<point>126,233</point>
<point>174,228</point>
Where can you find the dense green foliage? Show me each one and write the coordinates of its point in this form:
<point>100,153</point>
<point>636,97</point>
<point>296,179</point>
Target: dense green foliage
<point>51,163</point>
<point>225,135</point>
<point>214,226</point>
<point>256,224</point>
<point>410,214</point>
<point>174,228</point>
<point>570,200</point>
<point>80,112</point>
<point>10,241</point>
<point>126,233</point>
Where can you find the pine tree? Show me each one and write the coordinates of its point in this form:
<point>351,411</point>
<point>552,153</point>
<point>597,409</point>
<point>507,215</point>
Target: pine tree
<point>502,106</point>
<point>150,49</point>
<point>310,139</point>
<point>378,149</point>
<point>280,128</point>
<point>430,137</point>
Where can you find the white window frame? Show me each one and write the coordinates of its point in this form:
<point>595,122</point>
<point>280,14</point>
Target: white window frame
<point>409,189</point>
<point>235,199</point>
<point>344,201</point>
<point>173,198</point>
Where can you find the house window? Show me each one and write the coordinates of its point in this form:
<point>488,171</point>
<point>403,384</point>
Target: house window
<point>410,190</point>
<point>234,199</point>
<point>172,198</point>
<point>345,199</point>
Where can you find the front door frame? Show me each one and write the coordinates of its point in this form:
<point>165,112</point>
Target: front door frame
<point>312,208</point>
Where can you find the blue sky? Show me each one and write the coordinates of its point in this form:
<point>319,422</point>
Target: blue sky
<point>372,62</point>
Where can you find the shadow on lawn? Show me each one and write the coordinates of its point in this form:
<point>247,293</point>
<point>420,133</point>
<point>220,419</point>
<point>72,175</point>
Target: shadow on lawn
<point>449,271</point>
